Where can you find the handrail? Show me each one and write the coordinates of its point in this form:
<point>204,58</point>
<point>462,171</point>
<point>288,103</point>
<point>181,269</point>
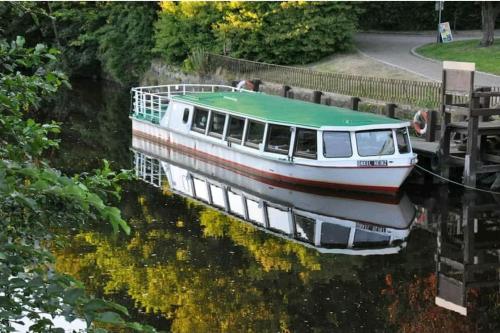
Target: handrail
<point>150,102</point>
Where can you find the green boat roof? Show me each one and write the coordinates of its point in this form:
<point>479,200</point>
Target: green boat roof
<point>283,110</point>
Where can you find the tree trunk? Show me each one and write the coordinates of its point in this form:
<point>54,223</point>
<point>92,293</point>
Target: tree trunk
<point>489,13</point>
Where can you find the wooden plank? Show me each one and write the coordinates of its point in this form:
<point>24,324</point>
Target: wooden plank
<point>484,112</point>
<point>490,158</point>
<point>486,94</point>
<point>488,168</point>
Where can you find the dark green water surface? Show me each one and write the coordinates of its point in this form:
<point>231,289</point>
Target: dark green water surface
<point>189,268</point>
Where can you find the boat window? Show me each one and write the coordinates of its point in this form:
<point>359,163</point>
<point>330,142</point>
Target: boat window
<point>306,145</point>
<point>333,235</point>
<point>217,195</point>
<point>200,189</point>
<point>185,116</point>
<point>375,143</point>
<point>278,139</point>
<point>337,144</point>
<point>255,211</point>
<point>235,203</point>
<point>235,131</point>
<point>365,239</point>
<point>305,227</point>
<point>255,134</point>
<point>217,124</point>
<point>200,120</point>
<point>278,219</point>
<point>402,140</point>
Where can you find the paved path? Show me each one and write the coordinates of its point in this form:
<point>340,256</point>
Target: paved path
<point>394,49</point>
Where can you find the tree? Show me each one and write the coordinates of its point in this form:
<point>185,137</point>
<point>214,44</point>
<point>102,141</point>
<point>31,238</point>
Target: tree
<point>489,14</point>
<point>276,32</point>
<point>36,200</point>
<point>97,39</point>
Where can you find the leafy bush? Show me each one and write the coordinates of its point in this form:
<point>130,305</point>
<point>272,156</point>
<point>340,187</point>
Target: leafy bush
<point>36,199</point>
<point>276,32</point>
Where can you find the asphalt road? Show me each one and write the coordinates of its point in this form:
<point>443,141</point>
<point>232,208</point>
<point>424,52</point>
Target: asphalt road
<point>394,49</point>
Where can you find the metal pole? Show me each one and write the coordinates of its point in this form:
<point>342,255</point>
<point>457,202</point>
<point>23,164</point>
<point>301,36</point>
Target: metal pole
<point>440,4</point>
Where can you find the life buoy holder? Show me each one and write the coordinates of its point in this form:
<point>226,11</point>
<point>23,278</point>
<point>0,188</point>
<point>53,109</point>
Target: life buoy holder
<point>420,122</point>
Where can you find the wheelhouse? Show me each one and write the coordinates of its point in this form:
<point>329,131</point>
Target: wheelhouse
<point>296,142</point>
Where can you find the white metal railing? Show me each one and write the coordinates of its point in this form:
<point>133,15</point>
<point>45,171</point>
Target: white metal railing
<point>148,169</point>
<point>150,103</point>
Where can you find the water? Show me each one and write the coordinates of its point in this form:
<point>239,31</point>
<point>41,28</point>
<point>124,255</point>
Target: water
<point>187,267</point>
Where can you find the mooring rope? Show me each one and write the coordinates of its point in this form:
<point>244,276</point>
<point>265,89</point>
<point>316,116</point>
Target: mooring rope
<point>456,183</point>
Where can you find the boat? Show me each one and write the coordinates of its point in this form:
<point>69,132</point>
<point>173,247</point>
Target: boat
<point>338,223</point>
<point>286,140</point>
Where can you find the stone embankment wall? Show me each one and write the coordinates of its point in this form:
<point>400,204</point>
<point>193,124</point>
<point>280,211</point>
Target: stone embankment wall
<point>161,73</point>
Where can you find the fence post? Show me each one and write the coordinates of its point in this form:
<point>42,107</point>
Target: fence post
<point>285,90</point>
<point>430,135</point>
<point>316,96</point>
<point>355,103</point>
<point>390,109</point>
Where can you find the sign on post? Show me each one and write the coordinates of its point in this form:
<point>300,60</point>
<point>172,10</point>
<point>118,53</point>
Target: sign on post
<point>445,32</point>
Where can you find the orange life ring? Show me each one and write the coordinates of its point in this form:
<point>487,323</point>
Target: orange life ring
<point>420,122</point>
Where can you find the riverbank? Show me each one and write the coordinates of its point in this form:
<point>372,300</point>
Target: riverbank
<point>486,58</point>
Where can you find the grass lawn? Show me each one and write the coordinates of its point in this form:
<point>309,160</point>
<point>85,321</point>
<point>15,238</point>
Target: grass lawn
<point>487,59</point>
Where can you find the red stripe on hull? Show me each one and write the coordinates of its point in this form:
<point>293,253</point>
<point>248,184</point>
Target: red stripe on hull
<point>246,170</point>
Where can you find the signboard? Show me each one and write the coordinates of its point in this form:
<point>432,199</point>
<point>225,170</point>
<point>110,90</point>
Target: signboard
<point>445,32</point>
<point>439,5</point>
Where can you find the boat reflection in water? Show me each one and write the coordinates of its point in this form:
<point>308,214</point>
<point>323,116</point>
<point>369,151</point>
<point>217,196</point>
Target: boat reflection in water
<point>339,223</point>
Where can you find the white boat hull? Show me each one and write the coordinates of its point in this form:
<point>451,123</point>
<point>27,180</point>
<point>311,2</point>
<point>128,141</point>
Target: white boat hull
<point>348,176</point>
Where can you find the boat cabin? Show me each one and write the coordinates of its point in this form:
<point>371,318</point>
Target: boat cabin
<point>292,129</point>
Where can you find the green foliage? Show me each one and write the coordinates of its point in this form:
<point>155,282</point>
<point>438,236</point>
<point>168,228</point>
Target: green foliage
<point>196,62</point>
<point>36,199</point>
<point>276,32</point>
<point>125,41</point>
<point>115,38</point>
<point>485,58</point>
<point>418,15</point>
<point>185,26</point>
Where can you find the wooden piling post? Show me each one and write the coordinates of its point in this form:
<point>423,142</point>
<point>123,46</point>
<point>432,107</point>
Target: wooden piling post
<point>430,135</point>
<point>444,143</point>
<point>472,153</point>
<point>355,103</point>
<point>390,109</point>
<point>285,90</point>
<point>316,96</point>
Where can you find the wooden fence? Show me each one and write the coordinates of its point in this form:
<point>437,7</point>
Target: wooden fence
<point>417,93</point>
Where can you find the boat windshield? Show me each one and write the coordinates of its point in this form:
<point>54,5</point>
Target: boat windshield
<point>337,144</point>
<point>403,140</point>
<point>375,143</point>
